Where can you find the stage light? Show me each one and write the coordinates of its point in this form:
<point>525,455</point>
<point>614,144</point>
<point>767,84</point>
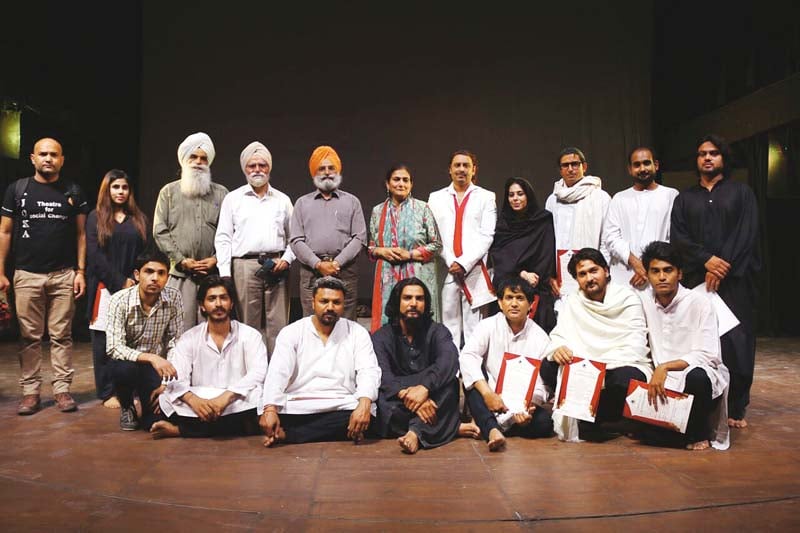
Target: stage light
<point>10,132</point>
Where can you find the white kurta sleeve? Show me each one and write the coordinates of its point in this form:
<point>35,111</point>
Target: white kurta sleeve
<point>474,251</point>
<point>255,363</point>
<point>224,238</point>
<point>368,372</point>
<point>474,352</point>
<point>617,246</point>
<point>281,367</point>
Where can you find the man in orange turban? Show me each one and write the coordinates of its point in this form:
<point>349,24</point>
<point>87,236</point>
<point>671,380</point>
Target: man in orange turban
<point>328,231</point>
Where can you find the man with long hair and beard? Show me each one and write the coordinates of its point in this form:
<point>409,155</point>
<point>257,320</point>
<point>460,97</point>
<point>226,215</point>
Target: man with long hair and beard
<point>328,231</point>
<point>185,220</point>
<point>418,398</point>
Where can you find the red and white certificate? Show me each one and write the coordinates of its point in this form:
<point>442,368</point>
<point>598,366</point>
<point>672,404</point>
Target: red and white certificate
<point>578,390</point>
<point>674,414</point>
<point>517,380</point>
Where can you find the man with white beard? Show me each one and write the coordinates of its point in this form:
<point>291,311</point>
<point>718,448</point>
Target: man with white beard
<point>252,245</point>
<point>328,231</point>
<point>185,221</point>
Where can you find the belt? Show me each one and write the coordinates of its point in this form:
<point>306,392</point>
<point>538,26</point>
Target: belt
<point>271,255</point>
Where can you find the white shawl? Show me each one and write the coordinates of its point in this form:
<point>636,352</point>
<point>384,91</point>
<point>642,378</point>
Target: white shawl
<point>589,213</point>
<point>613,331</point>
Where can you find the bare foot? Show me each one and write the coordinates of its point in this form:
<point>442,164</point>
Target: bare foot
<point>469,430</point>
<point>496,440</point>
<point>111,403</point>
<point>734,423</point>
<point>276,438</point>
<point>697,446</point>
<point>409,442</point>
<point>164,430</point>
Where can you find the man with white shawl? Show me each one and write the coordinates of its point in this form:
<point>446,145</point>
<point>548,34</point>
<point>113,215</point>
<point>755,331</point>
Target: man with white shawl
<point>605,323</point>
<point>685,345</point>
<point>185,221</point>
<point>579,205</point>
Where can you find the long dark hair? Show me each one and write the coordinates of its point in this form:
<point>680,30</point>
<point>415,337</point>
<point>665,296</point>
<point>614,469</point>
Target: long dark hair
<point>392,309</point>
<point>105,211</point>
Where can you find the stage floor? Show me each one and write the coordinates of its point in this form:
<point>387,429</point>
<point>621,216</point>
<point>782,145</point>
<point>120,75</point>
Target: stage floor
<point>78,471</point>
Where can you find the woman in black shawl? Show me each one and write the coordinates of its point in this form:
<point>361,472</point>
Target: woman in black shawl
<point>524,245</point>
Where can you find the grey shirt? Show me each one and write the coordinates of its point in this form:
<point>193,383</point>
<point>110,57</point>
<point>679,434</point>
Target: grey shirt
<point>185,227</point>
<point>334,227</point>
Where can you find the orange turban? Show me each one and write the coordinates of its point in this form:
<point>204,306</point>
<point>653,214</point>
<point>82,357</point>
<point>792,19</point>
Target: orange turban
<point>320,153</point>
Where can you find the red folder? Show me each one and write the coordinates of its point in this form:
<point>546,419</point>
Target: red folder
<point>598,386</point>
<point>536,363</point>
<point>633,385</point>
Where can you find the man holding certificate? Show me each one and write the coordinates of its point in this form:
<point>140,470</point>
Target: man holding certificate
<point>600,342</point>
<point>418,397</point>
<point>500,367</point>
<point>686,351</point>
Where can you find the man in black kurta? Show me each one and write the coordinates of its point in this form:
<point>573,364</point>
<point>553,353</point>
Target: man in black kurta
<point>716,225</point>
<point>418,397</point>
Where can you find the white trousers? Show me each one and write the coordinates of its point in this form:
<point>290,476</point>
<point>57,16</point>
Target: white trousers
<point>457,315</point>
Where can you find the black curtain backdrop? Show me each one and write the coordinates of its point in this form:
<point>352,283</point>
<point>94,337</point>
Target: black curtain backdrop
<point>396,82</point>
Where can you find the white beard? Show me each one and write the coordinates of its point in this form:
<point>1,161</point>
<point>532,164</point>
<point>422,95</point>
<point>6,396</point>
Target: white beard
<point>257,180</point>
<point>195,181</point>
<point>328,184</point>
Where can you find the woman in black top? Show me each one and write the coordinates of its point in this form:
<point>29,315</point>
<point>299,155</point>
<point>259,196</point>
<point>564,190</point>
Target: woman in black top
<point>524,245</point>
<point>116,232</point>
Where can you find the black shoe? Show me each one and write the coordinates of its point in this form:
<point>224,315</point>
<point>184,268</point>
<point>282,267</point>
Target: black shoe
<point>127,419</point>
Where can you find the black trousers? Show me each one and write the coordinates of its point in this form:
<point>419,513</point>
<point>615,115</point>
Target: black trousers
<point>103,382</point>
<point>540,426</point>
<point>244,423</point>
<point>130,377</point>
<point>430,436</point>
<point>739,344</point>
<point>317,427</point>
<point>699,426</point>
<point>612,397</point>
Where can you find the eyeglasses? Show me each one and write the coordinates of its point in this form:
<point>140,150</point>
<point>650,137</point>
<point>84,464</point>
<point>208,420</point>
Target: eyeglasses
<point>570,164</point>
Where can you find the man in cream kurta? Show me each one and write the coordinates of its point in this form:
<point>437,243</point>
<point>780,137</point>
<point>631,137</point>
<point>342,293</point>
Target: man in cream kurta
<point>637,217</point>
<point>466,216</point>
<point>507,332</point>
<point>685,345</point>
<point>221,365</point>
<point>579,205</point>
<point>323,378</point>
<point>602,322</point>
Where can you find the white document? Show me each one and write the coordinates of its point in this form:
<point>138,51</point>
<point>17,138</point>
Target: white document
<point>209,393</point>
<point>673,414</point>
<point>519,376</point>
<point>726,320</point>
<point>569,285</point>
<point>104,299</point>
<point>579,396</point>
<point>478,285</point>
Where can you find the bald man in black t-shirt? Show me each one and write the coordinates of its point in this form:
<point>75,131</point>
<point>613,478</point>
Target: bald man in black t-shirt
<point>46,216</point>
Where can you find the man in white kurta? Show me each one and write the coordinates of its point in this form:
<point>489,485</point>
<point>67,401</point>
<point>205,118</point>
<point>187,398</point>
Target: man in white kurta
<point>323,377</point>
<point>507,332</point>
<point>220,365</point>
<point>579,205</point>
<point>466,216</point>
<point>685,346</point>
<point>603,322</point>
<point>253,229</point>
<point>637,217</point>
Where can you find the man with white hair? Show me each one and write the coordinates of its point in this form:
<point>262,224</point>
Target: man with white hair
<point>252,245</point>
<point>328,231</point>
<point>185,221</point>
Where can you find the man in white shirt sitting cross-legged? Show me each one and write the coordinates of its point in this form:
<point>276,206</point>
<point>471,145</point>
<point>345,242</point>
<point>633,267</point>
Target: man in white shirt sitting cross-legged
<point>220,367</point>
<point>323,377</point>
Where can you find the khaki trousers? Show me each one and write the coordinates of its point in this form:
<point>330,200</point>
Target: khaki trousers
<point>260,306</point>
<point>45,299</point>
<point>348,276</point>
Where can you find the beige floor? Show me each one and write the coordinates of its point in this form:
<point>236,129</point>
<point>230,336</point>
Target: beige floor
<point>78,472</point>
